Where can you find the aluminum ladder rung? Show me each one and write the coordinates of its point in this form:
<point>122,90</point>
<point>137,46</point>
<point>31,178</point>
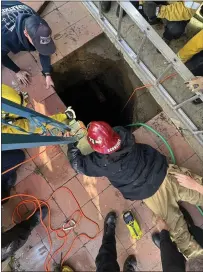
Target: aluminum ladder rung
<point>37,120</point>
<point>170,65</point>
<point>186,101</point>
<point>144,38</point>
<point>139,67</point>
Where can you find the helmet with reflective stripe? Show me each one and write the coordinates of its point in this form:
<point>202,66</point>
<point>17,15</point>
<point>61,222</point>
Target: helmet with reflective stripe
<point>102,138</point>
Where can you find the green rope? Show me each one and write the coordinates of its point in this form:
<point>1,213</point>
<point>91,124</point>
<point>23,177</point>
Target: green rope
<point>200,210</point>
<point>166,144</point>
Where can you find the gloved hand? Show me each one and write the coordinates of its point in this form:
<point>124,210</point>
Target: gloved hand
<point>195,84</point>
<point>23,77</point>
<point>72,146</point>
<point>151,10</point>
<point>70,113</point>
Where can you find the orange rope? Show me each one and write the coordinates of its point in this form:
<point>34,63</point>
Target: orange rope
<point>136,89</point>
<point>30,159</point>
<point>35,156</point>
<point>146,86</point>
<point>38,203</point>
<point>60,233</point>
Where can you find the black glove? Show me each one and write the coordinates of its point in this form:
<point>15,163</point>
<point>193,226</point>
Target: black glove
<point>150,9</point>
<point>72,146</point>
<point>75,158</point>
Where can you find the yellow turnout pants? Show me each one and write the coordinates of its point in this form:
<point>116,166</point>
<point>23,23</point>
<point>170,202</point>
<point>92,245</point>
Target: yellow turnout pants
<point>164,203</point>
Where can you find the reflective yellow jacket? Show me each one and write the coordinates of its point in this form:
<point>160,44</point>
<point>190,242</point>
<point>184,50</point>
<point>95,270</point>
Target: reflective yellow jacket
<point>194,46</point>
<point>12,95</point>
<point>25,124</point>
<point>179,11</point>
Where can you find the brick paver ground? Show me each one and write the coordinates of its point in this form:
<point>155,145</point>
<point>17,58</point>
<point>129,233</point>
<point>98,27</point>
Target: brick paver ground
<point>97,197</point>
<point>72,27</point>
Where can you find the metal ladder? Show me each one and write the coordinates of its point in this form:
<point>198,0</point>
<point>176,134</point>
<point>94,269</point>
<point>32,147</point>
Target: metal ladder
<point>140,68</point>
<point>37,120</point>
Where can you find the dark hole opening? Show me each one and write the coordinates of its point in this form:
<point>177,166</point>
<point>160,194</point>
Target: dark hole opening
<point>93,99</point>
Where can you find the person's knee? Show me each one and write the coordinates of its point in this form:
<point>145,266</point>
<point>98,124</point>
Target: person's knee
<point>176,29</point>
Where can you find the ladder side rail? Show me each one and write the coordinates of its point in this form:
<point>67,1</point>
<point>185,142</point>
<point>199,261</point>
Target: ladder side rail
<point>156,40</point>
<point>11,107</point>
<point>131,57</point>
<point>18,141</point>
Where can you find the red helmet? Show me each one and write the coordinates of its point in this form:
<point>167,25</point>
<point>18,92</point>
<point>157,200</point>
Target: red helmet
<point>102,138</point>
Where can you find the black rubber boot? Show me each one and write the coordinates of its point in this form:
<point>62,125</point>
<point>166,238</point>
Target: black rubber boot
<point>197,101</point>
<point>34,220</point>
<point>156,239</point>
<point>130,264</point>
<point>110,225</point>
<point>7,185</point>
<point>16,237</point>
<point>105,6</point>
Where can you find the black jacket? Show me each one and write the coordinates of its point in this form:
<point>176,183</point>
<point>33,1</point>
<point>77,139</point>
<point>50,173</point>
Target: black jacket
<point>172,260</point>
<point>13,40</point>
<point>136,170</point>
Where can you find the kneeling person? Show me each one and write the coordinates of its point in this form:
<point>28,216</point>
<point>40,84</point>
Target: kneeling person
<point>139,172</point>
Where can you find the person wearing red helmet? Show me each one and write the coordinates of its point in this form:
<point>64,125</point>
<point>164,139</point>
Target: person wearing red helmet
<point>139,172</point>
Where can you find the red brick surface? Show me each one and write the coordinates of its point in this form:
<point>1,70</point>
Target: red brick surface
<point>147,254</point>
<point>46,154</point>
<point>26,169</point>
<point>37,89</point>
<point>50,105</point>
<point>86,226</point>
<point>73,12</point>
<point>35,185</point>
<point>26,62</point>
<point>76,35</point>
<point>66,201</point>
<point>7,211</point>
<point>94,186</point>
<point>57,219</point>
<point>36,5</point>
<point>180,147</point>
<point>57,243</point>
<point>57,171</point>
<point>82,261</point>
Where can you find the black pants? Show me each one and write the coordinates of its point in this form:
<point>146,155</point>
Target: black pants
<point>172,259</point>
<point>14,239</point>
<point>107,257</point>
<point>10,158</point>
<point>174,30</point>
<point>197,233</point>
<point>195,64</point>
